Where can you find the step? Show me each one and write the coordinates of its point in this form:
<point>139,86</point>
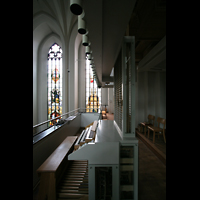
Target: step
<point>76,173</point>
<point>74,188</point>
<point>71,195</point>
<point>74,181</point>
<point>73,191</point>
<point>77,169</point>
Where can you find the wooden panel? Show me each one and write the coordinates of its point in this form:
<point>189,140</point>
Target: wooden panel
<point>126,160</point>
<point>127,187</point>
<point>47,186</point>
<point>53,161</point>
<point>126,167</point>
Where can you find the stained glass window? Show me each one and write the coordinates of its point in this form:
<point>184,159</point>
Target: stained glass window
<point>54,77</point>
<point>93,93</point>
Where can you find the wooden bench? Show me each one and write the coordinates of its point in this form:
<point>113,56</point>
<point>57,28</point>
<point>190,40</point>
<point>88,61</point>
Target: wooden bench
<point>54,166</point>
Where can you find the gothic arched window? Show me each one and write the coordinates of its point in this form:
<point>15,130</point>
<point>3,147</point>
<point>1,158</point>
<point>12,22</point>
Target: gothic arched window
<point>93,93</point>
<point>54,78</point>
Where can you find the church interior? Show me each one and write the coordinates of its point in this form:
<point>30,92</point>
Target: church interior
<point>99,99</point>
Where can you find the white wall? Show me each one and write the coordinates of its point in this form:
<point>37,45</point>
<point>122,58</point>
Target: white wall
<point>151,85</point>
<point>42,75</point>
<point>104,98</point>
<point>50,27</point>
<point>43,38</point>
<point>88,118</point>
<point>111,100</point>
<point>81,77</point>
<point>151,95</point>
<point>74,43</point>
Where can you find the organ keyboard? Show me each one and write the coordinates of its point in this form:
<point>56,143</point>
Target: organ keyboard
<point>77,144</point>
<point>86,136</point>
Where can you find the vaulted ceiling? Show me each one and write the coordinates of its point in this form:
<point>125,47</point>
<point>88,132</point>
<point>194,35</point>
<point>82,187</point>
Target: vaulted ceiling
<point>107,22</point>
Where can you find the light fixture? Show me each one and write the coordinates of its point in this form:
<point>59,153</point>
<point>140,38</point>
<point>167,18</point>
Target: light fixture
<point>76,7</point>
<point>92,66</point>
<point>81,25</point>
<point>89,56</point>
<point>85,40</point>
<point>87,50</point>
<point>92,63</point>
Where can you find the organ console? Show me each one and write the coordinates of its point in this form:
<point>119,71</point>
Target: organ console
<point>112,161</point>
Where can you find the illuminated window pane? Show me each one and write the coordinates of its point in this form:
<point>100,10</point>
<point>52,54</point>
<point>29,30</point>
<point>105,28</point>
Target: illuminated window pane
<point>54,77</point>
<point>93,102</point>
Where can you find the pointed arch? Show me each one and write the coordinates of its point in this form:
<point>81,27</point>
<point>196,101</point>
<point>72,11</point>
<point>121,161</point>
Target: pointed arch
<point>54,82</point>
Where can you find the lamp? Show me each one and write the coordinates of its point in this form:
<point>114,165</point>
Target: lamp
<point>81,25</point>
<point>92,63</point>
<point>89,56</point>
<point>87,50</point>
<point>85,40</point>
<point>76,7</point>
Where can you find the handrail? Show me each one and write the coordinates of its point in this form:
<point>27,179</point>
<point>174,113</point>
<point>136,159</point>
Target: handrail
<point>42,123</point>
<point>54,118</point>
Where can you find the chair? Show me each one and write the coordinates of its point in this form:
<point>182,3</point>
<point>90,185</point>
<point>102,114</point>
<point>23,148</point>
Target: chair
<point>151,118</point>
<point>157,130</point>
<point>104,115</point>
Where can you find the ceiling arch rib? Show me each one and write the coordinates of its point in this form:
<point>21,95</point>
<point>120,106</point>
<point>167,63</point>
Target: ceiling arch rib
<point>41,18</point>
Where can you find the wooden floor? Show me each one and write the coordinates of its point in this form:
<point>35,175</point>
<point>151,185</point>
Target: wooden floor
<point>158,148</point>
<point>151,171</point>
<point>151,175</point>
<point>109,116</point>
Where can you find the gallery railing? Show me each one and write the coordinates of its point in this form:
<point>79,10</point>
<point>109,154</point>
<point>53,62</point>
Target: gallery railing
<point>58,121</point>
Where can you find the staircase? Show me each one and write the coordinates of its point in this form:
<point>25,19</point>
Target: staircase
<point>74,183</point>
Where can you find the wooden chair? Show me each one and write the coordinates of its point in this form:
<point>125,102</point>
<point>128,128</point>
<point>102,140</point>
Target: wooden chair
<point>104,114</point>
<point>151,120</point>
<point>158,130</point>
